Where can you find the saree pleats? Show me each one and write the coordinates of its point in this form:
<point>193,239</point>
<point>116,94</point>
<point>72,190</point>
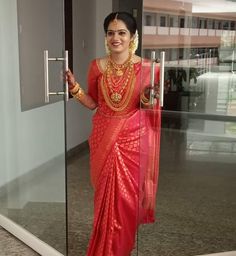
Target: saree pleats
<point>116,190</point>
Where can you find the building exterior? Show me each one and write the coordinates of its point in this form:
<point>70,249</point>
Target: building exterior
<point>184,34</point>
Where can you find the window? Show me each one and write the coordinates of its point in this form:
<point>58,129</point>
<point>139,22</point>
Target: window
<point>173,21</point>
<point>181,53</point>
<point>194,22</point>
<point>202,23</point>
<point>210,24</point>
<point>219,25</point>
<point>148,20</point>
<point>225,25</point>
<point>163,21</point>
<point>181,22</point>
<point>232,25</point>
<point>147,53</point>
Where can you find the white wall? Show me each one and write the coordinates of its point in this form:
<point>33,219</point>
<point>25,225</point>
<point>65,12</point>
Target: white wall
<point>103,8</point>
<point>88,43</point>
<point>31,138</point>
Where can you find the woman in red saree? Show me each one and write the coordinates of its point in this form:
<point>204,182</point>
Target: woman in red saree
<point>124,143</point>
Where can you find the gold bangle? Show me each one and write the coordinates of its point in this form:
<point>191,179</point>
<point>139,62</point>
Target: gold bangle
<point>75,88</point>
<point>144,99</point>
<point>74,93</point>
<point>79,94</point>
<point>145,103</point>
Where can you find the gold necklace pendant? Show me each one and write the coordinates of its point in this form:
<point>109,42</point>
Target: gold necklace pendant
<point>116,97</point>
<point>119,72</point>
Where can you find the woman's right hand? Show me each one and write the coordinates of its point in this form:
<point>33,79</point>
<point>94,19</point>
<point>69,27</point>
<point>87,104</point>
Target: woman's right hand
<point>77,92</point>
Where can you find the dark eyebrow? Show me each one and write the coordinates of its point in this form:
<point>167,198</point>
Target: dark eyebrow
<point>119,30</point>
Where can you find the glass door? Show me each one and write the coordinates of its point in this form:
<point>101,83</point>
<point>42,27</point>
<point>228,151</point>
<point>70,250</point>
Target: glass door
<point>195,204</point>
<point>32,130</point>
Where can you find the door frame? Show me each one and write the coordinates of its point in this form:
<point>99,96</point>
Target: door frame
<point>28,238</point>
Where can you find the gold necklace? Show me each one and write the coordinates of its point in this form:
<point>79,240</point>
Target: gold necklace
<point>118,91</point>
<point>119,68</point>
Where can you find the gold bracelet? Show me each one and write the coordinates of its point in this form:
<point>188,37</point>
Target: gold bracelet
<point>145,103</point>
<point>75,88</point>
<point>79,93</point>
<point>144,99</point>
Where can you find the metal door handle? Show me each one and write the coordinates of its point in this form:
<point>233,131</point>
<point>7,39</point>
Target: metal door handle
<point>162,72</point>
<point>46,76</point>
<point>152,90</point>
<point>154,60</point>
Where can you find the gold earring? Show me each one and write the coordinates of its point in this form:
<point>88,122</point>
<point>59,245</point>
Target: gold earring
<point>108,51</point>
<point>133,46</point>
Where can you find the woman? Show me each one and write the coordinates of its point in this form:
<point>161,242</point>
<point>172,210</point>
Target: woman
<point>122,161</point>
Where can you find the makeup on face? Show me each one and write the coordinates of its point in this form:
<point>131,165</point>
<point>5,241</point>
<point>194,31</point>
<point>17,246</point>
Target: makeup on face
<point>119,32</point>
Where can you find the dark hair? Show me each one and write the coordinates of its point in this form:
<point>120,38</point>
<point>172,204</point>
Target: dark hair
<point>126,17</point>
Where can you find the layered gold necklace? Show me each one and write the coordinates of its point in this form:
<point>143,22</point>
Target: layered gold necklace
<point>118,83</point>
<point>119,68</point>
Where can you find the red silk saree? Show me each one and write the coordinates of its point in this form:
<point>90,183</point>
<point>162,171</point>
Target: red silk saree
<point>124,151</point>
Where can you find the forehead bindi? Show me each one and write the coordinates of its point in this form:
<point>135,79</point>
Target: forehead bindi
<point>117,25</point>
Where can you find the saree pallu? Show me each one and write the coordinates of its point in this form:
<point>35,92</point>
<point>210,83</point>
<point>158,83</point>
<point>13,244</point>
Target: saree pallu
<point>123,167</point>
<point>150,120</point>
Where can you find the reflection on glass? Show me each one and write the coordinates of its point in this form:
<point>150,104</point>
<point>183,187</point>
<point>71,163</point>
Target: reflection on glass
<point>196,43</point>
<point>198,137</point>
<point>34,202</point>
<point>32,151</point>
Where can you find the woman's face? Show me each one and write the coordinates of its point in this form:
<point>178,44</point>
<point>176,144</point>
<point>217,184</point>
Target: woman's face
<point>118,37</point>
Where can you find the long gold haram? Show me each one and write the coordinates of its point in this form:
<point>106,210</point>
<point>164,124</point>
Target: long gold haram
<point>118,100</point>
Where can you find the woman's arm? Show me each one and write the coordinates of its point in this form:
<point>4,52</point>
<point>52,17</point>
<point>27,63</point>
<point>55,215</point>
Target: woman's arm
<point>78,93</point>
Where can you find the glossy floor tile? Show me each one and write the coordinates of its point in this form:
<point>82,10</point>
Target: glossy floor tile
<point>11,246</point>
<point>196,202</point>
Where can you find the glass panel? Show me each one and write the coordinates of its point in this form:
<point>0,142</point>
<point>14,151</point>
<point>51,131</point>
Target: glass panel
<point>195,200</point>
<point>36,35</point>
<point>32,170</point>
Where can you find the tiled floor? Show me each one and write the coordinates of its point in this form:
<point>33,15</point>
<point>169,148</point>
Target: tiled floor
<point>11,246</point>
<point>196,205</point>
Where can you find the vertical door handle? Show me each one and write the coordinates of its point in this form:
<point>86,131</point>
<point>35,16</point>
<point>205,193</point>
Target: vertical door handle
<point>152,90</point>
<point>154,60</point>
<point>66,67</point>
<point>162,82</point>
<point>232,64</point>
<point>46,76</point>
